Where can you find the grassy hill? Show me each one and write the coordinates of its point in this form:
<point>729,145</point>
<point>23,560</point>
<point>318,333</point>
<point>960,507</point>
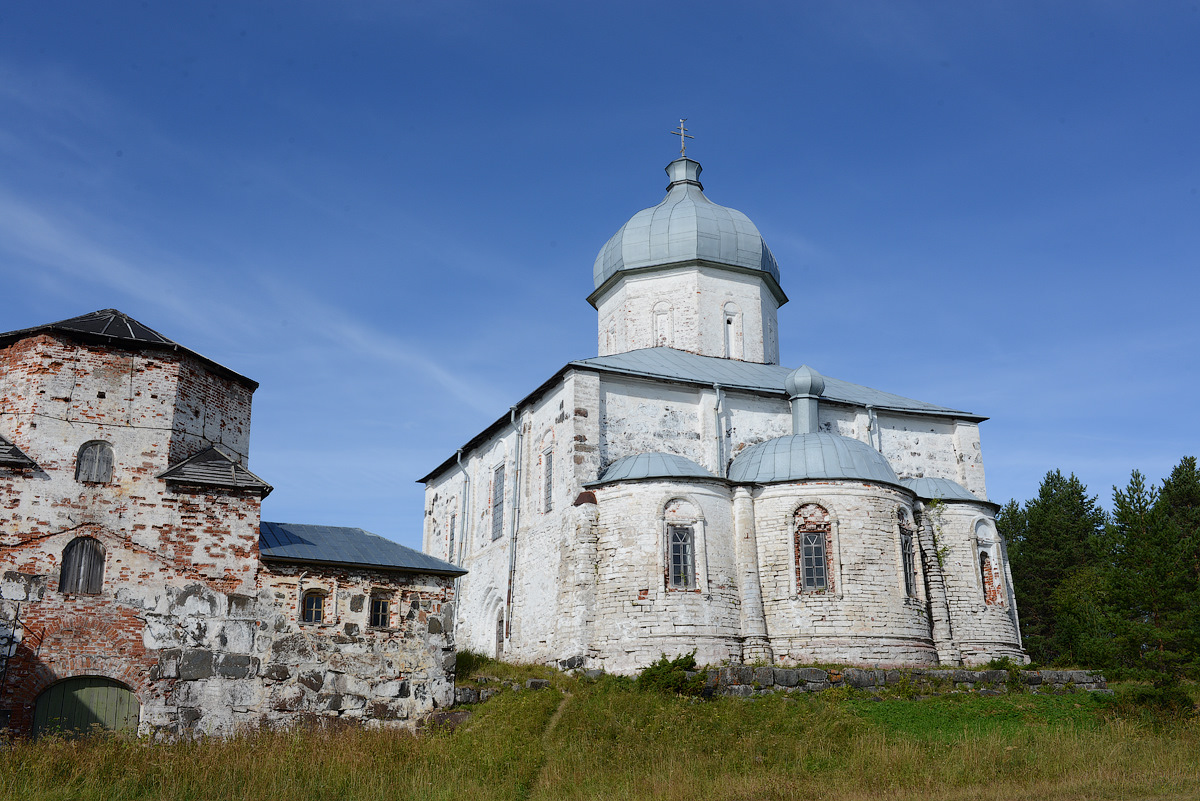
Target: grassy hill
<point>607,740</point>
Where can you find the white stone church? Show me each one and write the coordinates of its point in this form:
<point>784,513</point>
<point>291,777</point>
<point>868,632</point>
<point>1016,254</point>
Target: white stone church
<point>683,490</point>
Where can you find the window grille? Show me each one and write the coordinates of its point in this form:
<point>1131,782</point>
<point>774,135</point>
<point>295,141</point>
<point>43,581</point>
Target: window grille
<point>682,558</point>
<point>82,566</point>
<point>94,463</point>
<point>498,503</point>
<point>907,554</point>
<point>380,613</point>
<point>813,532</point>
<point>314,607</point>
<point>548,489</point>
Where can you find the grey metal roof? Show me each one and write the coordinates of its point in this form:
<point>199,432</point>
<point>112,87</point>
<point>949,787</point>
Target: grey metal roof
<point>341,545</point>
<point>215,467</point>
<point>113,327</point>
<point>811,456</point>
<point>940,488</point>
<point>686,226</point>
<point>12,456</point>
<point>652,465</point>
<point>678,365</point>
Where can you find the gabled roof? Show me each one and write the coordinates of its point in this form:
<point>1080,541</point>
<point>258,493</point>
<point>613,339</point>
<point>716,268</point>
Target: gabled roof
<point>677,365</point>
<point>12,456</point>
<point>112,327</point>
<point>215,467</point>
<point>350,547</point>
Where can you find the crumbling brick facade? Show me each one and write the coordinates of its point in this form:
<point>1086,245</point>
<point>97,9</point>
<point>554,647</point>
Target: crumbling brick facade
<point>181,610</point>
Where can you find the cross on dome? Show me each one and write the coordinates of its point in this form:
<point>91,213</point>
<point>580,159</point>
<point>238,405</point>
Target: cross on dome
<point>683,137</point>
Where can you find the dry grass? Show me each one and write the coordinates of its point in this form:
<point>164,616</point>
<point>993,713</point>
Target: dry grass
<point>609,742</point>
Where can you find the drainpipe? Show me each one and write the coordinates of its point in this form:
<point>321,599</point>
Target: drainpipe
<point>464,514</point>
<point>512,538</point>
<point>873,438</point>
<point>720,435</point>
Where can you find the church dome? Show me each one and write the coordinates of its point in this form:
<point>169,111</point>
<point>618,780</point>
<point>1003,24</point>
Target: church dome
<point>803,457</point>
<point>942,489</point>
<point>685,227</point>
<point>653,465</point>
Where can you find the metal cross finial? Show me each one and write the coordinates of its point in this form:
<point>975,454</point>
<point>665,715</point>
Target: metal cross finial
<point>683,136</point>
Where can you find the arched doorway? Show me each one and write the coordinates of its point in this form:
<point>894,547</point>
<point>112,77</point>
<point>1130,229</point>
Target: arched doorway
<point>82,704</point>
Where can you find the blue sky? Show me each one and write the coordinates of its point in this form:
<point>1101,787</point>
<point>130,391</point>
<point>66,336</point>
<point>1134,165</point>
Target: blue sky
<point>387,212</point>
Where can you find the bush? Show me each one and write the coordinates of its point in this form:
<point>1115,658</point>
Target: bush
<point>467,662</point>
<point>1157,705</point>
<point>676,676</point>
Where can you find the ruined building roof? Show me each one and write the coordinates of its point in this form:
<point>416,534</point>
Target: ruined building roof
<point>113,327</point>
<point>350,547</point>
<point>215,467</point>
<point>12,456</point>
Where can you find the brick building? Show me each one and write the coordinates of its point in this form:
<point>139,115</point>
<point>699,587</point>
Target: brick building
<point>139,588</point>
<point>682,490</point>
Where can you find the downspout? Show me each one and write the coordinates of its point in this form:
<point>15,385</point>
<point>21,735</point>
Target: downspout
<point>720,435</point>
<point>463,515</point>
<point>512,538</point>
<point>872,429</point>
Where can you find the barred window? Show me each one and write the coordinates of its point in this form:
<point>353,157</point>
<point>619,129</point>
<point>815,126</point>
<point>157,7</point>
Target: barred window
<point>498,503</point>
<point>94,463</point>
<point>812,545</point>
<point>381,610</point>
<point>682,558</point>
<point>313,607</point>
<point>907,554</point>
<point>548,480</point>
<point>82,566</point>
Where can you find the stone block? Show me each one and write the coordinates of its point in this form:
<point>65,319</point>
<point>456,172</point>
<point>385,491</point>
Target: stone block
<point>764,676</point>
<point>312,679</point>
<point>812,674</point>
<point>466,695</point>
<point>739,690</point>
<point>736,674</point>
<point>1031,677</point>
<point>786,678</point>
<point>195,664</point>
<point>235,666</point>
<point>292,649</point>
<point>276,673</point>
<point>859,678</point>
<point>537,684</point>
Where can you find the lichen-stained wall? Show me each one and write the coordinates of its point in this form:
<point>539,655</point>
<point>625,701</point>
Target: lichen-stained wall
<point>933,447</point>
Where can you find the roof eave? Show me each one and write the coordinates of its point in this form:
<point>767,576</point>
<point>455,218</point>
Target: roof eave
<point>362,565</point>
<point>773,285</point>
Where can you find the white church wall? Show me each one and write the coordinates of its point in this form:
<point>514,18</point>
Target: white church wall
<point>647,417</point>
<point>867,617</point>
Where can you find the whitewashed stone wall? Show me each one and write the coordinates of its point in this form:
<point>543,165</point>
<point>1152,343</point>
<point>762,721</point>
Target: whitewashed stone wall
<point>684,308</point>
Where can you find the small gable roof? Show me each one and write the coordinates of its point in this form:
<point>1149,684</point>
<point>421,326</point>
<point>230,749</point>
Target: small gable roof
<point>113,327</point>
<point>12,456</point>
<point>215,467</point>
<point>344,546</point>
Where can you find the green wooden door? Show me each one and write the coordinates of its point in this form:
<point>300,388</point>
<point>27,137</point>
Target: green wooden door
<point>80,705</point>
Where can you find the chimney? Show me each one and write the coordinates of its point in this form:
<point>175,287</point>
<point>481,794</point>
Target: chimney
<point>804,385</point>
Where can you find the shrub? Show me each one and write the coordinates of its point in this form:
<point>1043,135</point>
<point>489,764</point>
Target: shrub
<point>676,676</point>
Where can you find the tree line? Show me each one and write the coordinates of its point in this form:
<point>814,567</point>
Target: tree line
<point>1120,591</point>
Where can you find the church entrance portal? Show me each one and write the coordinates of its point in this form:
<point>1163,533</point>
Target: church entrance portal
<point>80,705</point>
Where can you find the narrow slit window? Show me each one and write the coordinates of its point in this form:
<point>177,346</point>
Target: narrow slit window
<point>548,481</point>
<point>498,503</point>
<point>682,558</point>
<point>908,555</point>
<point>450,554</point>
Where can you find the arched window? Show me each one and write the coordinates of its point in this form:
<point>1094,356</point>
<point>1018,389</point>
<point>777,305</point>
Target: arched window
<point>907,553</point>
<point>991,592</point>
<point>662,325</point>
<point>989,578</point>
<point>813,544</point>
<point>313,607</point>
<point>94,463</point>
<point>733,331</point>
<point>82,566</point>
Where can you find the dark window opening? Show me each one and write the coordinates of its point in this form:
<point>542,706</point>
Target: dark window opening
<point>682,558</point>
<point>380,613</point>
<point>314,608</point>
<point>94,464</point>
<point>82,566</point>
<point>498,503</point>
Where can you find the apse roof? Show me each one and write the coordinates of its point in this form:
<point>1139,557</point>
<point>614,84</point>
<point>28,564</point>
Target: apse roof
<point>678,365</point>
<point>803,457</point>
<point>215,467</point>
<point>113,327</point>
<point>652,465</point>
<point>940,488</point>
<point>341,545</point>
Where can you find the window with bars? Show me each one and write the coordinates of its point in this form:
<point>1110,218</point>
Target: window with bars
<point>82,566</point>
<point>94,463</point>
<point>547,480</point>
<point>498,503</point>
<point>908,556</point>
<point>313,607</point>
<point>381,612</point>
<point>682,558</point>
<point>812,545</point>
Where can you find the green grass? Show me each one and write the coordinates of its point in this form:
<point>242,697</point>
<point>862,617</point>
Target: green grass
<point>605,740</point>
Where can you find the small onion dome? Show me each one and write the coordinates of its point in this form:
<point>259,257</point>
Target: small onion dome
<point>685,227</point>
<point>652,465</point>
<point>943,489</point>
<point>804,381</point>
<point>802,457</point>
